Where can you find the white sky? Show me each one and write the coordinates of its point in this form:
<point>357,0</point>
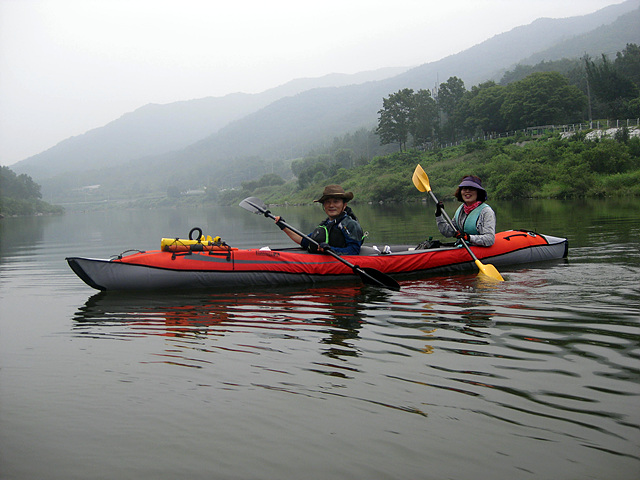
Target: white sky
<point>67,66</point>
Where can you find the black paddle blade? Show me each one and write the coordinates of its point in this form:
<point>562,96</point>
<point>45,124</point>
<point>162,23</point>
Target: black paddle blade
<point>254,205</point>
<point>371,276</point>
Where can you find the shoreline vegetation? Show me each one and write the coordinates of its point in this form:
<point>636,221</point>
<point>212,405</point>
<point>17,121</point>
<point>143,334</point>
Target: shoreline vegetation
<point>553,166</point>
<point>21,196</point>
<point>511,168</point>
<point>534,162</point>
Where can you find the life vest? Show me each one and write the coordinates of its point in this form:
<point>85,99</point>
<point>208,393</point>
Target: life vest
<point>470,223</point>
<point>330,233</point>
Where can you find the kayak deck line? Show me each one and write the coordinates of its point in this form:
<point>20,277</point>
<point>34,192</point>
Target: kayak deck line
<point>235,267</point>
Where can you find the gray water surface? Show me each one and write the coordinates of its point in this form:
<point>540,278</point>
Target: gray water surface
<point>452,377</point>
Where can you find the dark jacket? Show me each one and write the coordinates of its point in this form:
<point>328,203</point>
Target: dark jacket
<point>344,235</point>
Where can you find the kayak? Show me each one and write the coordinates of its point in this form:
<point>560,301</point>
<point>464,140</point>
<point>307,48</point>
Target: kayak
<point>207,264</point>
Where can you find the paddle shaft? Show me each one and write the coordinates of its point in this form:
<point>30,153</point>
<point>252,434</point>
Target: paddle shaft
<point>448,219</point>
<point>372,276</point>
<point>421,181</point>
<point>303,235</point>
<point>330,252</point>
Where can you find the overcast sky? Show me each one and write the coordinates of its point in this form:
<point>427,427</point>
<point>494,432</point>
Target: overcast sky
<point>67,66</point>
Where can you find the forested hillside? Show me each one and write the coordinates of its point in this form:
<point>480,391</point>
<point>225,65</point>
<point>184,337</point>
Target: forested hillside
<point>421,124</point>
<point>338,125</point>
<point>20,195</point>
<point>603,39</point>
<point>549,166</point>
<point>600,88</point>
<point>527,162</point>
<point>430,119</point>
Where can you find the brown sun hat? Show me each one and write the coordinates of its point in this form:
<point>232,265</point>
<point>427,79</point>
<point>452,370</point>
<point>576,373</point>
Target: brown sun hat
<point>334,191</point>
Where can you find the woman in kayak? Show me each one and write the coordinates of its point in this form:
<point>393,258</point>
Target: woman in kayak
<point>339,232</point>
<point>475,221</point>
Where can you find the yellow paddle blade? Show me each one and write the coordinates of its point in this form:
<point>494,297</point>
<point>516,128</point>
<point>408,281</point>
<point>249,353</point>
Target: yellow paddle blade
<point>420,179</point>
<point>489,270</point>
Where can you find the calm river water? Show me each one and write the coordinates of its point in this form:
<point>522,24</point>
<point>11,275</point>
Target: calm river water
<point>537,377</point>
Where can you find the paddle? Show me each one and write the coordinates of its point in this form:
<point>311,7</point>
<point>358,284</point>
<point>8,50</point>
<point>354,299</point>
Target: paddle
<point>369,276</point>
<point>421,181</point>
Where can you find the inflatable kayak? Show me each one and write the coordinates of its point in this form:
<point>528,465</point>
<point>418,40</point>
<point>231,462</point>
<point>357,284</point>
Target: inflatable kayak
<point>213,264</point>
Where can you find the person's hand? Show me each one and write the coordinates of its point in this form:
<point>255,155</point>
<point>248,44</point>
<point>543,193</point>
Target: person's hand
<point>439,208</point>
<point>279,221</point>
<point>324,247</point>
<point>463,236</point>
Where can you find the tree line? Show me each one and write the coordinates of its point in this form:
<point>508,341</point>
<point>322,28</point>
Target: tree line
<point>567,91</point>
<point>558,92</point>
<point>550,92</point>
<point>20,195</point>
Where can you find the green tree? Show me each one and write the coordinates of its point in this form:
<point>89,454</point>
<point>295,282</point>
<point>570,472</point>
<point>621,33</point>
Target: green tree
<point>19,187</point>
<point>311,168</point>
<point>394,121</point>
<point>300,165</point>
<point>564,66</point>
<point>450,95</point>
<point>627,63</point>
<point>542,98</point>
<point>485,108</point>
<point>607,156</point>
<point>269,179</point>
<point>424,119</point>
<point>344,157</point>
<point>615,84</point>
<point>20,195</point>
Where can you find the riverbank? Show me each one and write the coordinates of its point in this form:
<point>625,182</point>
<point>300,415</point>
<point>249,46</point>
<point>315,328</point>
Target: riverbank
<point>10,207</point>
<point>548,167</point>
<point>551,166</point>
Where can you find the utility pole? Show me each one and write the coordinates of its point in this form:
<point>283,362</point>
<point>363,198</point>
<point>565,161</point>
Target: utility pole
<point>586,71</point>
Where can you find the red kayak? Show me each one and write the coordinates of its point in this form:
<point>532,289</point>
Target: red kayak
<point>196,264</point>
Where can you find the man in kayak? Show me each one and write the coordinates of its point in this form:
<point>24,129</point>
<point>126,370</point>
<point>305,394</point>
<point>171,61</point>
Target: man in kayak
<point>339,232</point>
<point>475,221</point>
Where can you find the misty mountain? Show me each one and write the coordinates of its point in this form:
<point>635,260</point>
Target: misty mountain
<point>544,37</point>
<point>288,126</point>
<point>291,126</point>
<point>155,129</point>
<point>602,40</point>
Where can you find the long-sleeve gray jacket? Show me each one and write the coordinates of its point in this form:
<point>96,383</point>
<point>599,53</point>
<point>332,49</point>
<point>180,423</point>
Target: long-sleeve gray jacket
<point>486,227</point>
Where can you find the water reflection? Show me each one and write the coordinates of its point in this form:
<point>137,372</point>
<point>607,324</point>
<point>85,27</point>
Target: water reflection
<point>335,313</point>
<point>457,316</point>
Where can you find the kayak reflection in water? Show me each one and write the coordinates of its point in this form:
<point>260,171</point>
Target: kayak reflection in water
<point>475,221</point>
<point>339,232</point>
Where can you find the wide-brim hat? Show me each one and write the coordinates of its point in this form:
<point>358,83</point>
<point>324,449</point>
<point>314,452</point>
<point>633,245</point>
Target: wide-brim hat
<point>334,191</point>
<point>473,182</point>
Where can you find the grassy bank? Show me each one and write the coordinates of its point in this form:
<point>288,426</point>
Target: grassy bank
<point>549,167</point>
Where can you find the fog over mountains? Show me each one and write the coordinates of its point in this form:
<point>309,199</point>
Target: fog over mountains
<point>209,140</point>
<point>155,129</point>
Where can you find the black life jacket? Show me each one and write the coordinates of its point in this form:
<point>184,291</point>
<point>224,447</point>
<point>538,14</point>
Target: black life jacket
<point>329,232</point>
